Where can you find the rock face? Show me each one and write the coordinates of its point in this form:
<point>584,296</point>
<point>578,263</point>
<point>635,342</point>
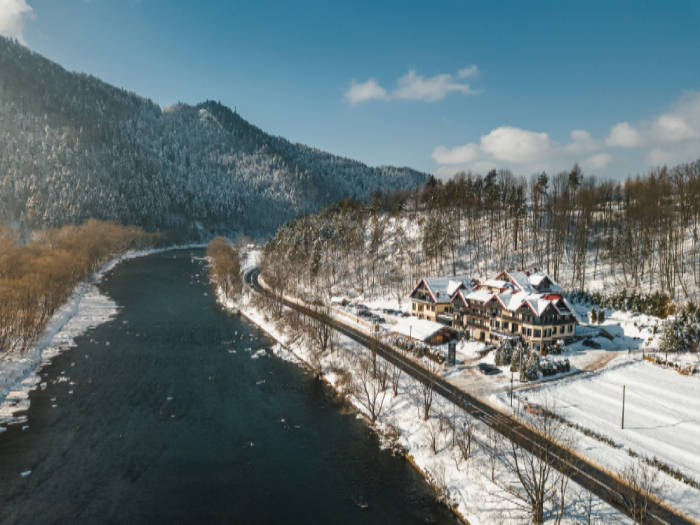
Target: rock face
<point>73,147</point>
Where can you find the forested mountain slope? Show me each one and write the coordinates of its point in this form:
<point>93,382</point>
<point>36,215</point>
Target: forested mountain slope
<point>73,147</point>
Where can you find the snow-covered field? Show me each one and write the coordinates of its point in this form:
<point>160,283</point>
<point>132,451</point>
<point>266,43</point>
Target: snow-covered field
<point>86,308</point>
<point>662,418</point>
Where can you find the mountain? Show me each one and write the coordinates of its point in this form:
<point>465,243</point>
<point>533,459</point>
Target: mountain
<point>73,147</point>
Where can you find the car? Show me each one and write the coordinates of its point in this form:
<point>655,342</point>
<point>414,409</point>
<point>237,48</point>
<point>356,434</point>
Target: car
<point>488,369</point>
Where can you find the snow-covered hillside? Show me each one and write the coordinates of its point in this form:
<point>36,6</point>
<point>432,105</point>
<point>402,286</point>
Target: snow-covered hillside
<point>73,147</point>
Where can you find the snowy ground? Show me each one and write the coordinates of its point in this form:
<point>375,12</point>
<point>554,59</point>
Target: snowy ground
<point>85,309</point>
<point>471,490</point>
<point>662,418</point>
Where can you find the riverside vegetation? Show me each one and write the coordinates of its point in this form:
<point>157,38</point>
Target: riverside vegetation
<point>38,276</point>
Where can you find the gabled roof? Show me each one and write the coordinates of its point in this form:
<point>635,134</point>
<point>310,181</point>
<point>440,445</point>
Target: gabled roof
<point>513,300</point>
<point>442,289</point>
<point>529,280</point>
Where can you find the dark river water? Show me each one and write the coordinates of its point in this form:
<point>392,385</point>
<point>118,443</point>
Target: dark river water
<point>172,421</point>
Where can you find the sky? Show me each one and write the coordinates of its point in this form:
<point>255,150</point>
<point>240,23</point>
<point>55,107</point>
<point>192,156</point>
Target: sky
<point>437,86</point>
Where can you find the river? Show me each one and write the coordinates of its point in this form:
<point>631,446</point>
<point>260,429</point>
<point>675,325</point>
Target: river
<point>168,418</point>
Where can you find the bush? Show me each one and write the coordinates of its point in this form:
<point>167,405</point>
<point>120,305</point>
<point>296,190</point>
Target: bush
<point>552,367</point>
<point>531,370</point>
<point>658,304</point>
<point>504,353</point>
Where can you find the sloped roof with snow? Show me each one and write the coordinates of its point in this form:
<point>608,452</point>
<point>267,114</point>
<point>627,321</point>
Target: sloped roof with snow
<point>421,329</point>
<point>497,283</point>
<point>443,288</point>
<point>528,280</point>
<point>513,300</point>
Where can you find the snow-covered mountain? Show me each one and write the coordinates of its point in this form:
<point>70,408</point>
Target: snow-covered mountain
<point>73,147</point>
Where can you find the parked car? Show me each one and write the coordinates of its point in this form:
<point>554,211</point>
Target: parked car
<point>489,370</point>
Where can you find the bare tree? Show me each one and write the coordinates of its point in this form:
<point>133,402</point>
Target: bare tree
<point>588,507</point>
<point>395,377</point>
<point>644,481</point>
<point>464,439</point>
<point>427,388</point>
<point>495,448</point>
<point>539,482</point>
<point>367,387</point>
<point>434,432</point>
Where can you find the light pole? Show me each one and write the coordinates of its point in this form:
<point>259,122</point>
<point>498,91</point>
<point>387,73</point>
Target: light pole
<point>511,388</point>
<point>622,423</point>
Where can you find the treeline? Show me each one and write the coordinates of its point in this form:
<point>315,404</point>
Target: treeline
<point>38,276</point>
<point>643,230</point>
<point>639,234</point>
<point>225,266</point>
<point>657,303</point>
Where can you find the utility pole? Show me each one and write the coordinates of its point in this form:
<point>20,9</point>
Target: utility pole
<point>511,389</point>
<point>622,425</point>
<point>454,418</point>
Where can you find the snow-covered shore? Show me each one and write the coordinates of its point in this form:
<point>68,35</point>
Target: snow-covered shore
<point>466,484</point>
<point>86,308</point>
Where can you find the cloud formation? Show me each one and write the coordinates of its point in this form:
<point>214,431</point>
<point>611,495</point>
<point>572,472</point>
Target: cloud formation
<point>519,146</point>
<point>670,138</point>
<point>624,136</point>
<point>413,86</point>
<point>364,91</point>
<point>13,15</point>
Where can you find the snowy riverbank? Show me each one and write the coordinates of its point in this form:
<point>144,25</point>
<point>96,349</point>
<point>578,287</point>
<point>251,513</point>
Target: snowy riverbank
<point>464,483</point>
<point>86,308</point>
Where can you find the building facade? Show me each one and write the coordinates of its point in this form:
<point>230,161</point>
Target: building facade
<point>526,304</point>
<point>431,299</point>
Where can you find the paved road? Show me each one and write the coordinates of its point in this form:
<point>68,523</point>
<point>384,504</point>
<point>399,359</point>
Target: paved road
<point>603,484</point>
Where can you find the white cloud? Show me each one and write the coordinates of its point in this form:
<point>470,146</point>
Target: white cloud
<point>582,142</point>
<point>597,161</point>
<point>13,15</point>
<point>673,137</point>
<point>515,145</point>
<point>413,86</point>
<point>467,72</point>
<point>522,150</point>
<point>457,155</point>
<point>672,128</point>
<point>364,91</point>
<point>624,136</point>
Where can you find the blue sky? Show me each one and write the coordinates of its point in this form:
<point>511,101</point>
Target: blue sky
<point>439,87</point>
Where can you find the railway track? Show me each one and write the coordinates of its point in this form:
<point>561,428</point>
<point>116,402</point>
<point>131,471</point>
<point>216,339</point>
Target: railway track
<point>600,482</point>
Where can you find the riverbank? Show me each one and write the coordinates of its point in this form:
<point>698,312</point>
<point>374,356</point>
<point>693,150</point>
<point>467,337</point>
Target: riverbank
<point>472,484</point>
<point>86,308</point>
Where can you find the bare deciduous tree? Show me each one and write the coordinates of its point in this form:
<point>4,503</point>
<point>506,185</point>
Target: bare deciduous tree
<point>538,481</point>
<point>395,377</point>
<point>427,388</point>
<point>644,480</point>
<point>367,387</point>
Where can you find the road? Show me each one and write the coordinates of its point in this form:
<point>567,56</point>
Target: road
<point>600,482</point>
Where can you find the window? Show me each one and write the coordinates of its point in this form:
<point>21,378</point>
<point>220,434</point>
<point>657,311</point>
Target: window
<point>505,325</point>
<point>538,333</point>
<point>571,328</point>
<point>529,332</point>
<point>561,329</point>
<point>414,306</point>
